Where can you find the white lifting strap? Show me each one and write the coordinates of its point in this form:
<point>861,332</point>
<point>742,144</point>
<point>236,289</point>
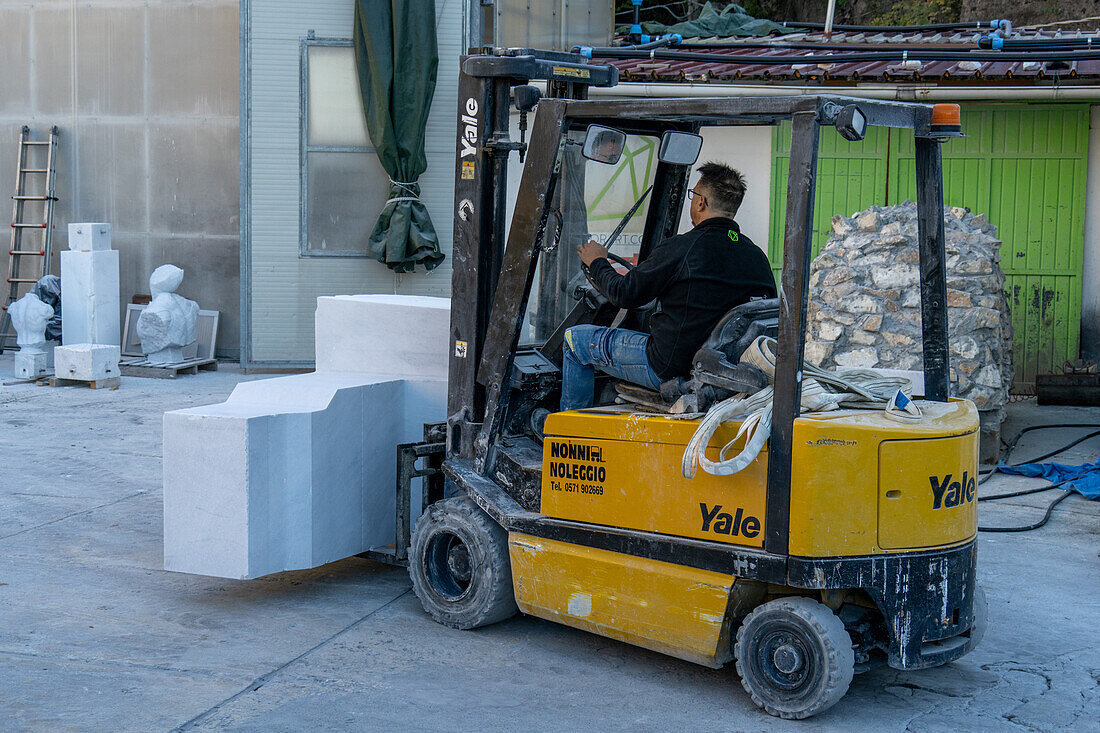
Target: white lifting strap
<point>821,391</point>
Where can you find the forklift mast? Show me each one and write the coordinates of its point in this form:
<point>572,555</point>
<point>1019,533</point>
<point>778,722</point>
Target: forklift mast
<point>483,146</point>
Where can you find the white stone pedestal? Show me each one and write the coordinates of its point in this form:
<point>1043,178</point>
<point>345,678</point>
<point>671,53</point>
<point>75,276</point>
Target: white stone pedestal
<point>29,366</point>
<point>89,292</point>
<point>171,355</point>
<point>89,297</point>
<point>86,362</point>
<point>298,471</point>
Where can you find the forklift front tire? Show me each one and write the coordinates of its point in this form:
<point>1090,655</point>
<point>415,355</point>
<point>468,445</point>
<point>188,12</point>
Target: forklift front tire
<point>794,657</point>
<point>459,565</point>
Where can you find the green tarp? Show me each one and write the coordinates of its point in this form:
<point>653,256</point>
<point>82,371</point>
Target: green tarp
<point>731,21</point>
<point>399,36</point>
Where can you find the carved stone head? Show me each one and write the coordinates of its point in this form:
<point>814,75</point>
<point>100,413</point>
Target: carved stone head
<point>165,279</point>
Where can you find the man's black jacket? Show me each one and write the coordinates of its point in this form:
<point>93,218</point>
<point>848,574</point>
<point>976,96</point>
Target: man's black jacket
<point>696,277</point>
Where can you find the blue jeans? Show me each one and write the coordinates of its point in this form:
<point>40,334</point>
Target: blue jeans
<point>615,351</point>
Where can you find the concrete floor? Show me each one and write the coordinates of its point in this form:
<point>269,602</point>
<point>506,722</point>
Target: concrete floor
<point>95,636</point>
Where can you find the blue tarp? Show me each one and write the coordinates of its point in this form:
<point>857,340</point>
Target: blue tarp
<point>1084,479</point>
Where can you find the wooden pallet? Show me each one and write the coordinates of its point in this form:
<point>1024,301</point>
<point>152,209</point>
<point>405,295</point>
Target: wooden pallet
<point>109,383</point>
<point>142,368</point>
<point>41,378</point>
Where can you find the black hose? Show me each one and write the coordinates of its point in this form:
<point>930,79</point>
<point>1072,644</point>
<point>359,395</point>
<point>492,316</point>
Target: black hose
<point>1011,445</point>
<point>1024,492</point>
<point>1016,439</point>
<point>807,45</point>
<point>1037,525</point>
<point>1060,450</point>
<point>839,58</point>
<point>1027,44</point>
<point>981,45</point>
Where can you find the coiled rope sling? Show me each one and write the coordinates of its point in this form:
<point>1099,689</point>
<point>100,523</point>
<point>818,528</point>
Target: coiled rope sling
<point>821,391</point>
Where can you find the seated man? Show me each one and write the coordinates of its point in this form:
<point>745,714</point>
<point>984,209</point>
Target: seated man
<point>696,278</point>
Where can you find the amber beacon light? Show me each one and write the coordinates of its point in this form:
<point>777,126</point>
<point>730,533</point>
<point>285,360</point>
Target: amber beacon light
<point>946,120</point>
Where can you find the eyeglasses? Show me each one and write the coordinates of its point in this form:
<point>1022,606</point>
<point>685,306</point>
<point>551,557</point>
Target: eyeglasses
<point>692,193</point>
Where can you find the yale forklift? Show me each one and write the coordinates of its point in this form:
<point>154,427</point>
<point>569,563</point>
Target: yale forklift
<point>834,550</point>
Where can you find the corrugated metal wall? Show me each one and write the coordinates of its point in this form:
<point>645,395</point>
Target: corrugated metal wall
<point>281,288</point>
<point>552,24</point>
<point>1022,165</point>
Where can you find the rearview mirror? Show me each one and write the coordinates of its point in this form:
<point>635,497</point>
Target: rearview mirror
<point>604,144</point>
<point>679,148</point>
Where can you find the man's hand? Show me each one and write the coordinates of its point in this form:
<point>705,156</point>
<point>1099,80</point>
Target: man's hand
<point>591,251</point>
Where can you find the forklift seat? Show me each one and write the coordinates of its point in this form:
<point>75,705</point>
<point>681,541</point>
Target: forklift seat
<point>740,327</point>
<point>717,363</point>
<point>716,371</point>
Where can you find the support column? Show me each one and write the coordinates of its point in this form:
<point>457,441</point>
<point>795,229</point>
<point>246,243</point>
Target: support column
<point>933,269</point>
<point>793,297</point>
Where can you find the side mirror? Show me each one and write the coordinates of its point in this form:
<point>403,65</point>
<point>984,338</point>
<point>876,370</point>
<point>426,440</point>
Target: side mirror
<point>604,144</point>
<point>851,123</point>
<point>679,148</point>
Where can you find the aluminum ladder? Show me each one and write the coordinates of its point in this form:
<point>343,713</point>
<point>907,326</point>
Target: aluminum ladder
<point>23,271</point>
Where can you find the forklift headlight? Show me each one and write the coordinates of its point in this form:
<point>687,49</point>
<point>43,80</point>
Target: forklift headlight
<point>851,123</point>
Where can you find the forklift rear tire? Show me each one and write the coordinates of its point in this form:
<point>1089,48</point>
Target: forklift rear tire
<point>794,657</point>
<point>459,565</point>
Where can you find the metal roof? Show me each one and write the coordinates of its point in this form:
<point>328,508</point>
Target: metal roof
<point>814,43</point>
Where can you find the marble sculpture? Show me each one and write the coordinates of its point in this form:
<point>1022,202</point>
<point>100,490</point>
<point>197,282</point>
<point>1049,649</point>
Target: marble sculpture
<point>30,315</point>
<point>168,323</point>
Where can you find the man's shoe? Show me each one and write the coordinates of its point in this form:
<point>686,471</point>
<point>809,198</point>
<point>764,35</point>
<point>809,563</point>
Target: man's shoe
<point>537,421</point>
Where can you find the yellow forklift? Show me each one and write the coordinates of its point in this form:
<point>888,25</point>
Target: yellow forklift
<point>848,541</point>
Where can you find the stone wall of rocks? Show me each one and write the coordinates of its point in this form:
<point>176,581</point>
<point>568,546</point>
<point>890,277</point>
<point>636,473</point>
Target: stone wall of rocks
<point>865,301</point>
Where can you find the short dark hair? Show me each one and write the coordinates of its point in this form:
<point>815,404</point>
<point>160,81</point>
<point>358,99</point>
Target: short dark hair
<point>725,187</point>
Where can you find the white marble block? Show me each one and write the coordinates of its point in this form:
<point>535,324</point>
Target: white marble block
<point>89,297</point>
<point>90,236</point>
<point>294,472</point>
<point>87,362</point>
<point>383,334</point>
<point>29,365</point>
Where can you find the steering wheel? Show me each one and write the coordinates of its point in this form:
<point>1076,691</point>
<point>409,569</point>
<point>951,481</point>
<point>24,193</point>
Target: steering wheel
<point>611,241</point>
<point>625,263</point>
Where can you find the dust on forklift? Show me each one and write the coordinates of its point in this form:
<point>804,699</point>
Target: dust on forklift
<point>827,554</point>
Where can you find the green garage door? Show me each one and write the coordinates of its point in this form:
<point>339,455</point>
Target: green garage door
<point>1022,165</point>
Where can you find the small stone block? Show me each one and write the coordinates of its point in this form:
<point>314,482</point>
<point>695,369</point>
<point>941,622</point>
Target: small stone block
<point>89,237</point>
<point>86,362</point>
<point>29,366</point>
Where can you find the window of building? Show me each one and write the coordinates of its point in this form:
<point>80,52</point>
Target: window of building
<point>343,186</point>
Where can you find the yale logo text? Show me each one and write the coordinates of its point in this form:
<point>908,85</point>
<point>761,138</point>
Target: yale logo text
<point>948,493</point>
<point>719,522</point>
<point>469,132</point>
